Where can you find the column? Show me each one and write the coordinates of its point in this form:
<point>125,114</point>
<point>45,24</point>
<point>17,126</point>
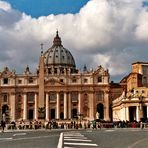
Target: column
<point>137,113</point>
<point>91,106</point>
<point>106,98</point>
<point>58,105</point>
<point>79,103</point>
<point>69,106</point>
<point>140,111</point>
<point>147,111</point>
<point>127,113</point>
<point>13,107</point>
<point>36,108</point>
<point>65,105</point>
<point>47,107</point>
<point>25,107</point>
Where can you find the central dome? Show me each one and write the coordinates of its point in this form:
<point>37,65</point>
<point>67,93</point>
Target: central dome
<point>58,56</point>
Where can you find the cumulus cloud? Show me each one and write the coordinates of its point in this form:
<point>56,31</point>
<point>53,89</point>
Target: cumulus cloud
<point>4,6</point>
<point>111,33</point>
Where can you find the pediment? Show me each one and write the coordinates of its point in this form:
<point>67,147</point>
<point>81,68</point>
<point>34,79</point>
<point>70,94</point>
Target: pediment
<point>101,71</point>
<point>53,81</point>
<point>7,73</point>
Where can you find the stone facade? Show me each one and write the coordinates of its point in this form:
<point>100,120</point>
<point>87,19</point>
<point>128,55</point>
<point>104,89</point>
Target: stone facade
<point>132,105</point>
<point>57,90</point>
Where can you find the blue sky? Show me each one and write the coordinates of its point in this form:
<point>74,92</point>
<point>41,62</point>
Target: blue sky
<point>37,8</point>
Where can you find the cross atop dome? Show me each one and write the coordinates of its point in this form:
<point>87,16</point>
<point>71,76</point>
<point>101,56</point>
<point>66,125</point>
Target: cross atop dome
<point>57,40</point>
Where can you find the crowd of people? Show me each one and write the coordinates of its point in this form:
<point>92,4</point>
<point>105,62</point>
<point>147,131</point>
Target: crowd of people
<point>53,124</point>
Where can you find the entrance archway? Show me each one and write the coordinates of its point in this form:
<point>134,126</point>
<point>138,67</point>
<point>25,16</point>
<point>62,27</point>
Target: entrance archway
<point>5,109</point>
<point>74,113</point>
<point>132,113</point>
<point>100,110</point>
<point>30,114</point>
<point>5,112</point>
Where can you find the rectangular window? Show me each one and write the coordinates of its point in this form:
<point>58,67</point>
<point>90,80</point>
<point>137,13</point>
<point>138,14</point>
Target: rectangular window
<point>99,79</point>
<point>49,70</point>
<point>30,80</point>
<point>5,81</point>
<point>30,97</point>
<point>55,70</point>
<point>85,80</point>
<point>5,99</point>
<point>74,80</point>
<point>100,96</point>
<point>74,96</point>
<point>61,97</point>
<point>61,80</point>
<point>52,97</point>
<point>19,81</point>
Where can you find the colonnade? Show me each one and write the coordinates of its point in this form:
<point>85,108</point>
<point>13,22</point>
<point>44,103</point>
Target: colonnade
<point>66,109</point>
<point>137,113</point>
<point>67,105</point>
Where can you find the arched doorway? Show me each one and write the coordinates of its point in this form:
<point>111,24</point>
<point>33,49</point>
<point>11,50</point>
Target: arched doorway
<point>100,110</point>
<point>5,112</point>
<point>5,109</point>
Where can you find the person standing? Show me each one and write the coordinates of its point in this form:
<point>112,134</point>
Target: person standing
<point>3,124</point>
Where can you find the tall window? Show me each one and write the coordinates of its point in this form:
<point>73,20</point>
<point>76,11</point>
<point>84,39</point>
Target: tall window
<point>85,99</point>
<point>74,96</point>
<point>100,96</point>
<point>30,97</point>
<point>55,70</point>
<point>5,99</point>
<point>61,97</point>
<point>85,105</point>
<point>19,98</point>
<point>52,96</point>
<point>85,80</point>
<point>49,70</point>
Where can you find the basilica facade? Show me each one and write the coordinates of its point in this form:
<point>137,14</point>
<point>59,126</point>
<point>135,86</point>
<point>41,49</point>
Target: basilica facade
<point>58,90</point>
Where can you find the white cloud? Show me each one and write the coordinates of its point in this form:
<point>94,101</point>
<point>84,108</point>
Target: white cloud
<point>142,25</point>
<point>112,33</point>
<point>5,6</point>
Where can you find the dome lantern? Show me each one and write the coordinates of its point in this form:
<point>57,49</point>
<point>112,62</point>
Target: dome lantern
<point>57,40</point>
